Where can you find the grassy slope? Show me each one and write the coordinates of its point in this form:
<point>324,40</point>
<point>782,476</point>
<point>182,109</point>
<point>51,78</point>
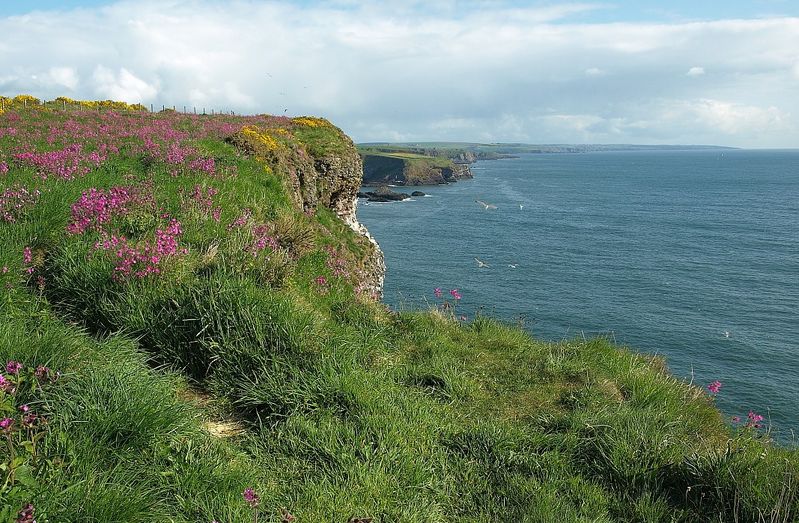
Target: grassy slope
<point>347,409</point>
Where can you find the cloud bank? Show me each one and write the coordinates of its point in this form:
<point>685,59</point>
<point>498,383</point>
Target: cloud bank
<point>425,72</point>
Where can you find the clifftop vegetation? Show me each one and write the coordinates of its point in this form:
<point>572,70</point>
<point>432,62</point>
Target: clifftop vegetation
<point>190,333</point>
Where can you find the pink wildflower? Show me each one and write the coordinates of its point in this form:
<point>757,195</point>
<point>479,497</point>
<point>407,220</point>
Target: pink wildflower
<point>29,420</point>
<point>26,515</point>
<point>455,294</point>
<point>437,292</point>
<point>321,280</point>
<point>714,387</point>
<point>3,168</point>
<point>42,372</point>
<point>27,255</point>
<point>6,424</point>
<point>13,367</point>
<point>241,220</point>
<point>24,409</point>
<point>251,497</point>
<point>754,420</point>
<point>736,419</point>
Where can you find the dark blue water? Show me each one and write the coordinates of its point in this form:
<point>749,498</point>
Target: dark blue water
<point>692,255</point>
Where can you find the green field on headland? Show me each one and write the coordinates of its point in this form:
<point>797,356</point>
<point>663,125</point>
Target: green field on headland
<point>191,333</point>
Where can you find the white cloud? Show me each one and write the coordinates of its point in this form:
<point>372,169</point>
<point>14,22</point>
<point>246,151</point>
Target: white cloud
<point>695,71</point>
<point>424,71</point>
<point>122,85</point>
<point>64,77</point>
<point>732,118</point>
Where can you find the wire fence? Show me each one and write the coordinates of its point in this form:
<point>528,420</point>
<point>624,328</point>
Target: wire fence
<point>81,106</point>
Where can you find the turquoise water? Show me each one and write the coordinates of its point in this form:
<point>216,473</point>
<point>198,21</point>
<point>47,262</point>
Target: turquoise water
<point>691,255</point>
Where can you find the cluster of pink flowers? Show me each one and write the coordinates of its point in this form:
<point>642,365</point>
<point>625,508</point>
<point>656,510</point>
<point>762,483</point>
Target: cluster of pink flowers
<point>65,164</point>
<point>336,262</point>
<point>145,259</point>
<point>202,200</point>
<point>26,515</point>
<point>20,425</point>
<point>27,259</point>
<point>96,207</point>
<point>206,165</point>
<point>176,154</point>
<point>438,293</point>
<point>242,220</point>
<point>262,239</point>
<point>714,387</point>
<point>14,201</point>
<point>754,420</point>
<point>10,382</point>
<point>78,142</point>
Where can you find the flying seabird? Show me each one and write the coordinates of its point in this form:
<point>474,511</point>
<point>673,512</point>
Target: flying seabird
<point>485,205</point>
<point>481,264</point>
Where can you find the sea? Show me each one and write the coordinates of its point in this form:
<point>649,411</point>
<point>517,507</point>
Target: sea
<point>692,255</point>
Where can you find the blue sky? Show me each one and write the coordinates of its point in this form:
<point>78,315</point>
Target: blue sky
<point>609,11</point>
<point>586,71</point>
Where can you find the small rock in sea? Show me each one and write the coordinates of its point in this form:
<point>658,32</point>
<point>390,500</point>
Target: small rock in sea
<point>417,193</point>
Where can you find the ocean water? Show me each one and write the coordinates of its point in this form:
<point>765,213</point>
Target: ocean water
<point>692,255</point>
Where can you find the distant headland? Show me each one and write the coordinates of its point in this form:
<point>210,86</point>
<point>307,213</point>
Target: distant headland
<point>436,163</point>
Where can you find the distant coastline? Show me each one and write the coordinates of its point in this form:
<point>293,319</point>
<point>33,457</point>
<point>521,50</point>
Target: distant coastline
<point>441,163</point>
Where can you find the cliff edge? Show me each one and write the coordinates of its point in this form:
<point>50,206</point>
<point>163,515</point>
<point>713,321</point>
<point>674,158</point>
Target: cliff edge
<point>323,168</point>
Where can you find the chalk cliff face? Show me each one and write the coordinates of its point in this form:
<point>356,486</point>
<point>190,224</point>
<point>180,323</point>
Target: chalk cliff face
<point>322,167</point>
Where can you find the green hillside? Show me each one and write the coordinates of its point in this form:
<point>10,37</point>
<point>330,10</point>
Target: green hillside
<point>191,333</point>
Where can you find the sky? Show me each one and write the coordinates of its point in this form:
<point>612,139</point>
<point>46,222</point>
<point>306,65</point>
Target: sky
<point>645,72</point>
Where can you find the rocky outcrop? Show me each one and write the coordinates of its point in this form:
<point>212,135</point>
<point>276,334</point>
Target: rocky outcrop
<point>384,194</point>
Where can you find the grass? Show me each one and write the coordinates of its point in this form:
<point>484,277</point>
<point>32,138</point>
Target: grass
<point>342,408</point>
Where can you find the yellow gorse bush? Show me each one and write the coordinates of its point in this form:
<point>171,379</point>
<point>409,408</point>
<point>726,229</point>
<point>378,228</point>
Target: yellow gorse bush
<point>311,121</point>
<point>99,104</point>
<point>19,101</point>
<point>31,102</point>
<point>254,134</point>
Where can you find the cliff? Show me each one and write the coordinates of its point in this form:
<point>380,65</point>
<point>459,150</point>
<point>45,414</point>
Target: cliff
<point>322,168</point>
<point>188,332</point>
<point>384,168</point>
